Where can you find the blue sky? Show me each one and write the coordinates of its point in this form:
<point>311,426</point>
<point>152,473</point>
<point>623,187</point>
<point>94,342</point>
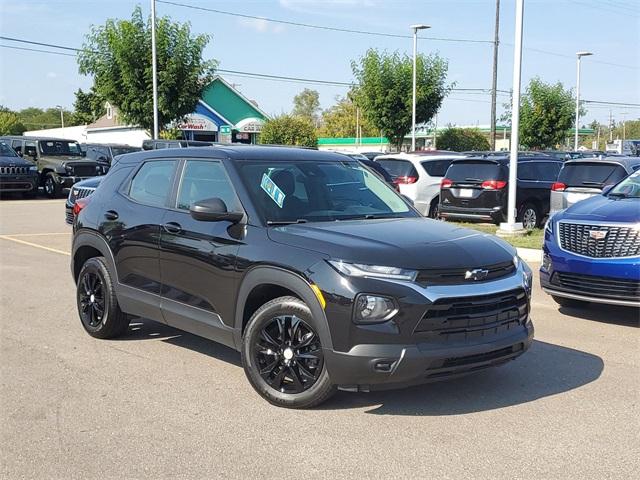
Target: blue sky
<point>609,28</point>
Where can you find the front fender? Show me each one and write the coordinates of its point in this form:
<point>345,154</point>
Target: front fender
<point>292,281</point>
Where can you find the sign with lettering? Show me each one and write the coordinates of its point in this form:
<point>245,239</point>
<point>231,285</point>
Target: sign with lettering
<point>197,122</point>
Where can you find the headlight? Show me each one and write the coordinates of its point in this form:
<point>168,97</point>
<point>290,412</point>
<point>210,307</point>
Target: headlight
<point>373,308</point>
<point>548,227</point>
<point>516,261</point>
<point>373,271</point>
<point>33,168</point>
<point>69,169</point>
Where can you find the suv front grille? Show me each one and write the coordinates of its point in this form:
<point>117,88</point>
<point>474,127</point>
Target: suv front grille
<point>14,170</point>
<point>600,241</point>
<point>80,192</point>
<point>457,276</point>
<point>467,318</point>
<point>598,286</point>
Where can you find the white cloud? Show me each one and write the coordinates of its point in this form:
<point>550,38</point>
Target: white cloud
<point>260,25</point>
<point>52,75</point>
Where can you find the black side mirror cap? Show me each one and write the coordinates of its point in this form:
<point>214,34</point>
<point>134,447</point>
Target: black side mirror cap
<point>214,210</point>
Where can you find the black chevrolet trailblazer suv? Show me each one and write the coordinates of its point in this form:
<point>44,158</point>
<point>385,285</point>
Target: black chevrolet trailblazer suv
<point>310,265</point>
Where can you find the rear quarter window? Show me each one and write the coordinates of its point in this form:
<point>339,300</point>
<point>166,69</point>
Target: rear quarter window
<point>591,174</point>
<point>398,168</point>
<point>475,171</point>
<point>539,171</point>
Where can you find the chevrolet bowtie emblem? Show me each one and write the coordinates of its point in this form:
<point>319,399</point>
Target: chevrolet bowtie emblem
<point>476,274</point>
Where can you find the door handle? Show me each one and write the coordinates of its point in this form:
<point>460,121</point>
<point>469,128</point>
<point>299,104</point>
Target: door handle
<point>172,227</point>
<point>111,215</point>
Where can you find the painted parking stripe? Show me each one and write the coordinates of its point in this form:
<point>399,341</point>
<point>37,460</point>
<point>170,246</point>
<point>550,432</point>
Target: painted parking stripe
<point>35,245</point>
<point>35,234</point>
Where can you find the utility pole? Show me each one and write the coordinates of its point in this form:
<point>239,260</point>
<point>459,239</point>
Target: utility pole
<point>154,69</point>
<point>494,82</point>
<point>415,29</point>
<point>610,127</point>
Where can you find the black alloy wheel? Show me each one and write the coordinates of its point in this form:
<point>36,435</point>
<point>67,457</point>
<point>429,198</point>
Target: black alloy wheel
<point>288,354</point>
<point>92,300</point>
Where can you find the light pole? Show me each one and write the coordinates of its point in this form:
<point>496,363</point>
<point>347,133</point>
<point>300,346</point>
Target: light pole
<point>154,69</point>
<point>511,227</point>
<point>579,55</point>
<point>415,29</point>
<point>61,115</point>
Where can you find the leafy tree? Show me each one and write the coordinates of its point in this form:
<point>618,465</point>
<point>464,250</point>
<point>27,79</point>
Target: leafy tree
<point>339,121</point>
<point>10,122</point>
<point>118,55</point>
<point>35,118</point>
<point>88,107</point>
<point>547,114</point>
<point>385,90</point>
<point>462,139</point>
<point>289,130</point>
<point>306,105</point>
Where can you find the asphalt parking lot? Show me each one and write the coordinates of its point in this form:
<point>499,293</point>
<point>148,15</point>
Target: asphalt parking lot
<point>160,403</point>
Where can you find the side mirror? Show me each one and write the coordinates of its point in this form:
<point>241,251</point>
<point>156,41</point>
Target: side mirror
<point>606,189</point>
<point>213,210</point>
<point>34,155</point>
<point>19,152</point>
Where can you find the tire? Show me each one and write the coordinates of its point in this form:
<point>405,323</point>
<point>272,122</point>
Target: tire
<point>569,302</point>
<point>434,209</point>
<point>286,377</point>
<point>97,304</point>
<point>529,216</point>
<point>52,188</point>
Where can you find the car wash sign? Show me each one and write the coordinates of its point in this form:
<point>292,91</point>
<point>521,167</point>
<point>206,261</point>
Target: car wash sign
<point>250,125</point>
<point>197,122</point>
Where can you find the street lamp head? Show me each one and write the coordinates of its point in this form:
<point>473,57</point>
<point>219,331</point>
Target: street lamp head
<point>419,27</point>
<point>583,54</point>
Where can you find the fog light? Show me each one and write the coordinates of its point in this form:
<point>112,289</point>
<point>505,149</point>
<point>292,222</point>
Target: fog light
<point>373,309</point>
<point>546,262</point>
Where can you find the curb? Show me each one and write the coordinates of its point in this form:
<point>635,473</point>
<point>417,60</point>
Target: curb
<point>530,254</point>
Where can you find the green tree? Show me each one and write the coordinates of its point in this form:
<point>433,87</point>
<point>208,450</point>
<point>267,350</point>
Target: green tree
<point>462,139</point>
<point>10,122</point>
<point>306,105</point>
<point>35,118</point>
<point>88,107</point>
<point>117,54</point>
<point>547,114</point>
<point>340,120</point>
<point>385,90</point>
<point>289,130</point>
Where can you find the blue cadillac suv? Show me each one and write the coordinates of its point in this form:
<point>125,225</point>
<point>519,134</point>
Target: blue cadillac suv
<point>591,250</point>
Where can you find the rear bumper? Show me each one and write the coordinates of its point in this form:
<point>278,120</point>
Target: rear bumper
<point>377,367</point>
<point>486,214</point>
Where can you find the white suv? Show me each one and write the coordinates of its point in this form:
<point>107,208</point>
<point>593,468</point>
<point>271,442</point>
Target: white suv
<point>418,176</point>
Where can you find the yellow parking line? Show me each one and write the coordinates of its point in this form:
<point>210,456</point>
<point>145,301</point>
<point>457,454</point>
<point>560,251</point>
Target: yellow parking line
<point>54,250</point>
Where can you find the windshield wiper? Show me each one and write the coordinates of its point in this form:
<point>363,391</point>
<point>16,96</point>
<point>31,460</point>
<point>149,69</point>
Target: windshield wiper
<point>368,216</point>
<point>286,222</point>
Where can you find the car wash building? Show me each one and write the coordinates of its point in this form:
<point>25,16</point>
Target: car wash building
<point>223,114</point>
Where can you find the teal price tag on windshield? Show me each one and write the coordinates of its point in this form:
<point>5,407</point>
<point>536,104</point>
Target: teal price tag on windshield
<point>272,190</point>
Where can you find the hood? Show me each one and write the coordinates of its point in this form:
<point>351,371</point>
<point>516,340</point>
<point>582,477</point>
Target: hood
<point>413,243</point>
<point>15,162</point>
<point>604,209</point>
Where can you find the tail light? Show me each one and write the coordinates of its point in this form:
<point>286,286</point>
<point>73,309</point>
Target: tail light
<point>404,180</point>
<point>494,184</point>
<point>558,187</point>
<point>80,204</point>
<point>446,183</point>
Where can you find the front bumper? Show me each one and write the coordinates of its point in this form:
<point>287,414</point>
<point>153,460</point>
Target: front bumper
<point>440,331</point>
<point>495,214</point>
<point>611,281</point>
<point>18,183</point>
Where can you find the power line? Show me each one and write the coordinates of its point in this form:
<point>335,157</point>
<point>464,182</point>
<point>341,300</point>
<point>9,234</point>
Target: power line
<point>318,27</point>
<point>38,50</point>
<point>621,104</point>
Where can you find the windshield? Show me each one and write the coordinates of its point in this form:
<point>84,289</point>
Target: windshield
<point>289,192</point>
<point>628,188</point>
<point>60,147</point>
<point>122,150</point>
<point>7,151</point>
<point>584,174</point>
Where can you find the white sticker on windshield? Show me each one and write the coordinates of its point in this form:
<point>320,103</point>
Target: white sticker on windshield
<point>272,190</point>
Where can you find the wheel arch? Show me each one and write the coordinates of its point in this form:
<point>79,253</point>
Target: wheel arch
<point>264,283</point>
<point>86,245</point>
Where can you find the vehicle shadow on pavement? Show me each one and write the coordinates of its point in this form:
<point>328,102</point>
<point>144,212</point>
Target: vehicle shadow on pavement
<point>543,371</point>
<point>611,314</point>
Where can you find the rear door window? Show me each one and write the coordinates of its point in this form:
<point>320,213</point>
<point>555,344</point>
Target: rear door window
<point>539,171</point>
<point>398,167</point>
<point>475,171</point>
<point>591,174</point>
<point>436,168</point>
